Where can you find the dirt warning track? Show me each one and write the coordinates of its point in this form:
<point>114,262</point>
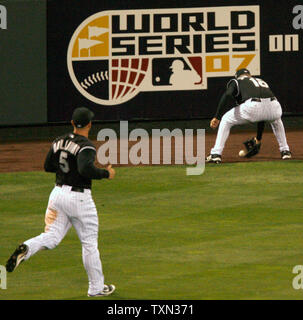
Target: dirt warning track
<point>29,156</point>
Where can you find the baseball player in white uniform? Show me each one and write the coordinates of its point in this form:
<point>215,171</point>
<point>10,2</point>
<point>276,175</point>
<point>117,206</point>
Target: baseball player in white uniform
<point>72,157</point>
<point>256,103</point>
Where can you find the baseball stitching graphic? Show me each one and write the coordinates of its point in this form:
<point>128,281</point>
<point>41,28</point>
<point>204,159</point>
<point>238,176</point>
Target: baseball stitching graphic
<point>94,78</point>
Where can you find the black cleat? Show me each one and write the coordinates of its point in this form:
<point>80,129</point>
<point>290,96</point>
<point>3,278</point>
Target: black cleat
<point>16,258</point>
<point>285,155</point>
<point>213,158</point>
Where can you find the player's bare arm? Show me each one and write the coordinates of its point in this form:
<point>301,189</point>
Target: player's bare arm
<point>111,171</point>
<point>214,123</point>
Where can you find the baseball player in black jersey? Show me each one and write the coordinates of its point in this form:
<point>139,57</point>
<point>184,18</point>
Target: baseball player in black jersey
<point>72,158</point>
<point>256,103</point>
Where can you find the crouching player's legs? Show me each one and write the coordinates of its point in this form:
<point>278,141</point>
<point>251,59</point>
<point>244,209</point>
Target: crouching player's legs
<point>279,132</point>
<point>231,118</point>
<point>275,110</point>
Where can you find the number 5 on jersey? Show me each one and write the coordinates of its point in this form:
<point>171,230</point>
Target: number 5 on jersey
<point>64,166</point>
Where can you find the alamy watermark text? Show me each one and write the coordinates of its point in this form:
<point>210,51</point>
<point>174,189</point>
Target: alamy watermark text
<point>162,146</point>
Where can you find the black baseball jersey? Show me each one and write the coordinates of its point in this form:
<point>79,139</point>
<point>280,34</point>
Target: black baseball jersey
<point>244,89</point>
<point>72,158</point>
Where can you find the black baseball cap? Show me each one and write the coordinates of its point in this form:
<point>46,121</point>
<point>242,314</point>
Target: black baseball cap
<point>82,117</point>
<point>241,72</point>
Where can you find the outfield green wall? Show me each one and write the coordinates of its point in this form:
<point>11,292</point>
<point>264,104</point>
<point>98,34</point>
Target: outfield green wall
<point>23,63</point>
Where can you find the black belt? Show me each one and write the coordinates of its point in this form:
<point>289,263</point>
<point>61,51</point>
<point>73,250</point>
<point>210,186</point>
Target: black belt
<point>259,100</point>
<point>76,189</point>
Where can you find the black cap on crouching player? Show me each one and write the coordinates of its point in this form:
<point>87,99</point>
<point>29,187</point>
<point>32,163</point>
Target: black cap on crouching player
<point>82,117</point>
<point>240,72</point>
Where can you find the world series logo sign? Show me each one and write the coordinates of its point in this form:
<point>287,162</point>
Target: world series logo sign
<point>114,55</point>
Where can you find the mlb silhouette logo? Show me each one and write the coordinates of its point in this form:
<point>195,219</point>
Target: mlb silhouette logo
<point>178,73</point>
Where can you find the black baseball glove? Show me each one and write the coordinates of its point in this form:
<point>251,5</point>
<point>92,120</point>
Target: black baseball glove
<point>252,147</point>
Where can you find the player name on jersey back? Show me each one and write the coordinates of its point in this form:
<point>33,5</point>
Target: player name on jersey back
<point>66,145</point>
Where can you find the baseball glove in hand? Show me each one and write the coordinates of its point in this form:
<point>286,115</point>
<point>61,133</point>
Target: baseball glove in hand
<point>252,147</point>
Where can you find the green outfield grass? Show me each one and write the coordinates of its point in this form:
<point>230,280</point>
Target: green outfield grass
<point>235,232</point>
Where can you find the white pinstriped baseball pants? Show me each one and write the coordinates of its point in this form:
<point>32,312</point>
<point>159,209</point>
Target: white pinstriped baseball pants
<point>67,208</point>
<point>252,111</point>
